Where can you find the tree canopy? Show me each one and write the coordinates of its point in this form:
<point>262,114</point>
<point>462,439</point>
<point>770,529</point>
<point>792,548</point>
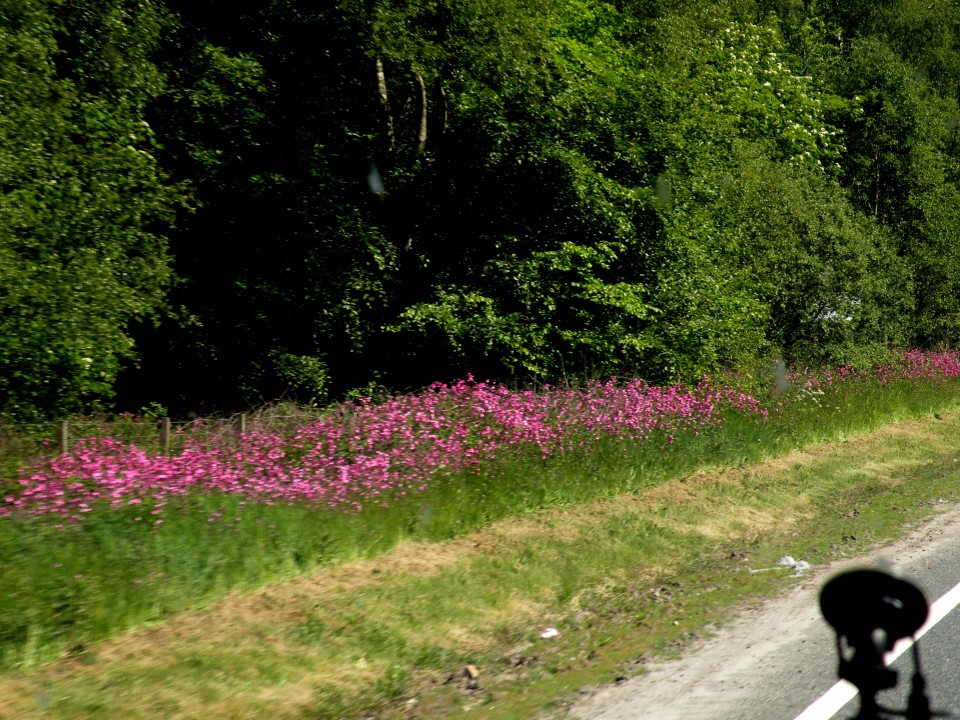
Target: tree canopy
<point>212,205</point>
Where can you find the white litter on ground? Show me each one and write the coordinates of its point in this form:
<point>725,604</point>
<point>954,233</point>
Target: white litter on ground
<point>787,562</point>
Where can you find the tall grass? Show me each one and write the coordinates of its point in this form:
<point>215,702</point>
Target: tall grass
<point>110,535</point>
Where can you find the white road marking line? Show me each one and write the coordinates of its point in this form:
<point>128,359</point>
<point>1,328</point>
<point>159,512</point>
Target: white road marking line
<point>831,702</point>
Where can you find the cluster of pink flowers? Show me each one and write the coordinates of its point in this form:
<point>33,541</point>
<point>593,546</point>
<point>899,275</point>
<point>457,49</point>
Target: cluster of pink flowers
<point>917,365</point>
<point>377,452</point>
<point>913,365</point>
<point>370,452</point>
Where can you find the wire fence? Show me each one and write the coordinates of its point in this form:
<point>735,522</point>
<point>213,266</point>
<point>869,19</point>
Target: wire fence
<point>151,434</point>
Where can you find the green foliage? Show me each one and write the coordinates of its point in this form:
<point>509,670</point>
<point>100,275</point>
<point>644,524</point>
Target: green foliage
<point>82,199</point>
<point>553,275</point>
<point>902,171</point>
<point>686,212</point>
<point>284,255</point>
<point>764,251</point>
<point>737,79</point>
<point>395,192</point>
<point>829,278</point>
<point>303,375</point>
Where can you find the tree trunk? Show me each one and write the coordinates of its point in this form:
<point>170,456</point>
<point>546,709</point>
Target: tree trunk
<point>385,103</point>
<point>422,132</point>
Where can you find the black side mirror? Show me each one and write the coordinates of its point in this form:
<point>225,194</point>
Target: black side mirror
<point>870,610</point>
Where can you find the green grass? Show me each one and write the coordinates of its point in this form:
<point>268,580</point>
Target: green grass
<point>67,589</point>
<point>624,581</point>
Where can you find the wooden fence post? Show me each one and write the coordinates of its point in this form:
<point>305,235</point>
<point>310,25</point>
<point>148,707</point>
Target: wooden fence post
<point>63,435</point>
<point>242,424</point>
<point>165,436</point>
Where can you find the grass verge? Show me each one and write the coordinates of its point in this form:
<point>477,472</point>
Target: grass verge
<point>622,578</point>
<point>70,585</point>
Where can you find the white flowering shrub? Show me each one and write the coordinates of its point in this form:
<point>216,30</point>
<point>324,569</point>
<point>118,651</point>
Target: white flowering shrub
<point>743,75</point>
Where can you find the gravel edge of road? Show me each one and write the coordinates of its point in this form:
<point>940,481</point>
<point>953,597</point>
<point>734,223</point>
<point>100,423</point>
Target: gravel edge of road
<point>718,677</point>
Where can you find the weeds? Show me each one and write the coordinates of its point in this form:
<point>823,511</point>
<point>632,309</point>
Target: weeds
<point>112,535</point>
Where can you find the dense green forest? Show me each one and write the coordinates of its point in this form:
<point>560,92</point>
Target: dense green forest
<point>210,205</point>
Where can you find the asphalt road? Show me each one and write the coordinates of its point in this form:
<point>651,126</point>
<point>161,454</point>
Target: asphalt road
<point>937,572</point>
<point>778,659</point>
